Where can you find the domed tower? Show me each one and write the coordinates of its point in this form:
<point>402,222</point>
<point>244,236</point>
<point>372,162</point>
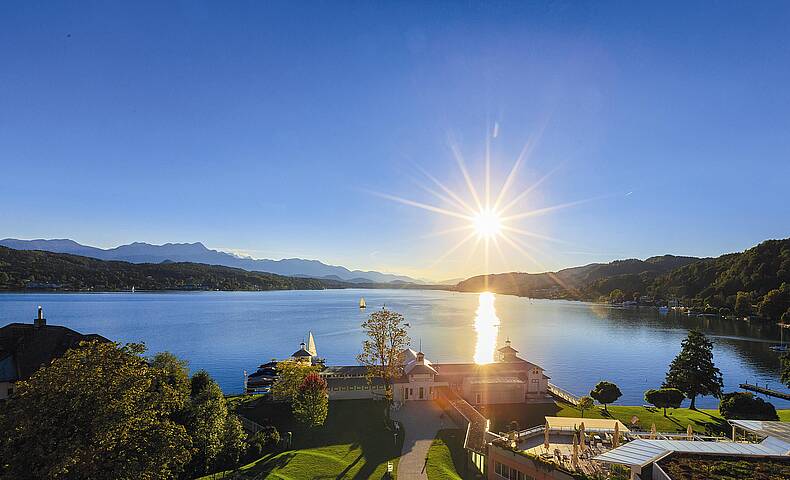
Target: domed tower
<point>508,353</point>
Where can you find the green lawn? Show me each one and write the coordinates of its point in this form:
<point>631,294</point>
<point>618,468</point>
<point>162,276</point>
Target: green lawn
<point>706,421</point>
<point>446,457</point>
<point>353,443</point>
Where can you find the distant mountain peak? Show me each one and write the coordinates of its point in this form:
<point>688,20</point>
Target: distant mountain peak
<point>197,252</point>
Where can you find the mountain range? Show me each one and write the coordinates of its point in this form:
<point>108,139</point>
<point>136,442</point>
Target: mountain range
<point>139,252</point>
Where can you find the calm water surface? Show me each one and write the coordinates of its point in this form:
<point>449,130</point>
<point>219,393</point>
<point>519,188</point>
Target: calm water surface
<point>577,343</point>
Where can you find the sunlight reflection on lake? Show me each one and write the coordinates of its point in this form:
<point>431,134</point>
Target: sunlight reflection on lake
<point>487,328</point>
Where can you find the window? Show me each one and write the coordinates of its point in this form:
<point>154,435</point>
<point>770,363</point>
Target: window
<point>534,380</point>
<point>359,387</point>
<point>343,388</point>
<point>503,471</point>
<point>367,387</point>
<point>334,389</point>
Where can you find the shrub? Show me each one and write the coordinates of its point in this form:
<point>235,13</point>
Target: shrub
<point>745,406</point>
<point>262,441</point>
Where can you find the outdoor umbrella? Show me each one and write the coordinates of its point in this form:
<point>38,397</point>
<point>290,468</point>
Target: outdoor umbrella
<point>616,438</point>
<point>546,436</point>
<point>653,432</point>
<point>581,436</point>
<point>690,432</point>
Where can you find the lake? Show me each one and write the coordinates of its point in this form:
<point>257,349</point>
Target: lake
<point>577,343</point>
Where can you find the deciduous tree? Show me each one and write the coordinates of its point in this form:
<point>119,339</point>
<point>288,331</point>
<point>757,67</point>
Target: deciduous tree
<point>217,436</point>
<point>94,413</point>
<point>312,401</point>
<point>692,371</point>
<point>585,403</point>
<point>664,398</point>
<point>605,393</point>
<point>386,339</point>
<point>745,406</point>
<point>290,376</point>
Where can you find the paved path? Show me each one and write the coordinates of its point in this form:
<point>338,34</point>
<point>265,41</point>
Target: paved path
<point>422,421</point>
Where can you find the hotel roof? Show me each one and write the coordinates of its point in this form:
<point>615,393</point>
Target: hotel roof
<point>780,430</point>
<point>641,452</point>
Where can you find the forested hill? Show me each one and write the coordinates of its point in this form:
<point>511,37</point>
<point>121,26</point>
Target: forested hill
<point>761,274</point>
<point>578,283</point>
<point>758,273</point>
<point>26,269</point>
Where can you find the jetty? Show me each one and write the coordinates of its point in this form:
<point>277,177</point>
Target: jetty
<point>765,391</point>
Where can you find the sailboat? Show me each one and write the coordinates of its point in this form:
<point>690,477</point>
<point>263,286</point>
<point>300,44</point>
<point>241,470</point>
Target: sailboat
<point>782,347</point>
<point>362,303</point>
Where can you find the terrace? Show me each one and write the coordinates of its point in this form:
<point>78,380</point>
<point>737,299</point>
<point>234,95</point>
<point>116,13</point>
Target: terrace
<point>569,444</point>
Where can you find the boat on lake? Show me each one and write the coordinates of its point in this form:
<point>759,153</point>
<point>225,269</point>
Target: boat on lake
<point>362,303</point>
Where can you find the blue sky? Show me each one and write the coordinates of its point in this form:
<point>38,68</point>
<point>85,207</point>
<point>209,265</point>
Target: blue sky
<point>263,127</point>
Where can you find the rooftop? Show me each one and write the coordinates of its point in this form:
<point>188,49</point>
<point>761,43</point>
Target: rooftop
<point>641,452</point>
<point>25,347</point>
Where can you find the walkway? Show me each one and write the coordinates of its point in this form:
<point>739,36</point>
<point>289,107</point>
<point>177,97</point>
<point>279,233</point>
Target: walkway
<point>422,422</point>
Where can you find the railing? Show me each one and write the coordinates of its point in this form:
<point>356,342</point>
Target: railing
<point>563,394</point>
<point>249,425</point>
<point>476,424</point>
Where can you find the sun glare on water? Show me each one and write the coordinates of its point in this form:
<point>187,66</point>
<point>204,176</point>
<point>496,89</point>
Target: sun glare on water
<point>487,328</point>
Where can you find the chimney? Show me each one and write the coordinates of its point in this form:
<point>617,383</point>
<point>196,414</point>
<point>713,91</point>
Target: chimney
<point>40,321</point>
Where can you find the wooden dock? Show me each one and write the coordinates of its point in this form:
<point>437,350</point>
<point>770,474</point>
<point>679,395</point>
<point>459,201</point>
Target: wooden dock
<point>765,391</point>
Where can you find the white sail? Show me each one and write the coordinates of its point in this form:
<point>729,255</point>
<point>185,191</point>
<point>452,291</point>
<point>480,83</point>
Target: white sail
<point>362,303</point>
<point>311,345</point>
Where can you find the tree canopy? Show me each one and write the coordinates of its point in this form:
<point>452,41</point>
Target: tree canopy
<point>605,393</point>
<point>585,403</point>
<point>386,338</point>
<point>312,401</point>
<point>94,413</point>
<point>664,398</point>
<point>290,376</point>
<point>745,406</point>
<point>102,411</point>
<point>693,371</point>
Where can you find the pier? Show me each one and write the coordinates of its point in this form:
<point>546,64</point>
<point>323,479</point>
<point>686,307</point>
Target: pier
<point>765,391</point>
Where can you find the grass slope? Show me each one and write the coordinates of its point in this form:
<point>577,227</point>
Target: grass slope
<point>446,457</point>
<point>353,443</point>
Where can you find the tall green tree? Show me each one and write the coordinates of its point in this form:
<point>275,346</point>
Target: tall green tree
<point>312,401</point>
<point>216,433</point>
<point>693,371</point>
<point>94,413</point>
<point>386,339</point>
<point>664,398</point>
<point>605,393</point>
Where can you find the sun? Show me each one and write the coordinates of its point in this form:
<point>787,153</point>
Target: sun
<point>487,223</point>
<point>489,217</point>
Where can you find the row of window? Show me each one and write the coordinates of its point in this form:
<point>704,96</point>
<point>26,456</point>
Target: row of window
<point>510,473</point>
<point>358,387</point>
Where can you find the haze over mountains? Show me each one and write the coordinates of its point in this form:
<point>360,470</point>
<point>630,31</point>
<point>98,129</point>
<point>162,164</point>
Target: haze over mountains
<point>139,252</point>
